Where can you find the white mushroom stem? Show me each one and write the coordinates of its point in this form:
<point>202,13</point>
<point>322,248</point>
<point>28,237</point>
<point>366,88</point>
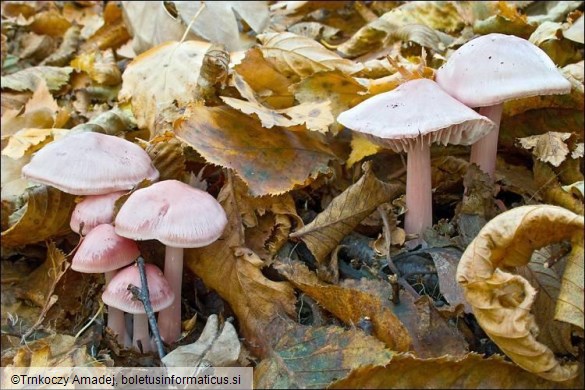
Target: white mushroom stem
<point>140,332</point>
<point>484,151</point>
<point>418,190</point>
<point>169,319</point>
<point>116,320</point>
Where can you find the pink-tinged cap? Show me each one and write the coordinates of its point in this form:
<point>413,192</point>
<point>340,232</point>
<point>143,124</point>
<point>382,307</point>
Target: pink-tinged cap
<point>102,250</point>
<point>94,210</point>
<point>90,163</point>
<point>173,213</point>
<point>495,67</point>
<point>416,111</point>
<point>117,294</point>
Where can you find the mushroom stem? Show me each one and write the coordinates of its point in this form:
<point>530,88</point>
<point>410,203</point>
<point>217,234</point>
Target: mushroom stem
<point>418,190</point>
<point>169,319</point>
<point>116,321</point>
<point>484,151</point>
<point>141,333</point>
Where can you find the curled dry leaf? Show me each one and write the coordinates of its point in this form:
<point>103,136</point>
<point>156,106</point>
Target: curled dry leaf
<point>345,212</point>
<point>350,305</point>
<point>263,307</point>
<point>549,147</point>
<point>313,357</point>
<point>46,214</point>
<point>164,75</point>
<point>294,55</point>
<point>472,371</point>
<point>217,346</point>
<point>502,301</point>
<point>271,162</point>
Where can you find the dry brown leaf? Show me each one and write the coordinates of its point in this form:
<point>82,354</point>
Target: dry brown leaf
<point>28,141</point>
<point>345,212</point>
<point>298,56</point>
<point>28,79</point>
<point>46,214</point>
<point>315,116</point>
<point>472,371</point>
<point>217,346</point>
<point>101,66</point>
<point>350,305</point>
<point>313,357</point>
<point>262,306</point>
<point>552,192</point>
<point>50,22</point>
<point>446,260</point>
<point>271,162</point>
<point>502,301</point>
<point>550,147</point>
<point>164,75</point>
<point>507,20</point>
<point>270,86</point>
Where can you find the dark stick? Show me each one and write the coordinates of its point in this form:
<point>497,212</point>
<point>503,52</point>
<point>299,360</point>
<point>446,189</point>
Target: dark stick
<point>143,295</point>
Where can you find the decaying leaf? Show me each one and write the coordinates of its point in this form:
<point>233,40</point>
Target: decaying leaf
<point>217,346</point>
<point>294,55</point>
<point>27,141</point>
<point>552,191</point>
<point>269,161</point>
<point>100,66</point>
<point>350,305</point>
<point>46,214</point>
<point>344,213</point>
<point>472,371</point>
<point>310,357</point>
<point>549,147</point>
<point>262,306</point>
<point>507,20</point>
<point>502,301</point>
<point>27,79</point>
<point>164,75</point>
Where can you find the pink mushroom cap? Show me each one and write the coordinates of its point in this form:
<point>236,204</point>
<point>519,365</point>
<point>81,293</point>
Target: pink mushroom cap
<point>90,163</point>
<point>94,210</point>
<point>102,250</point>
<point>117,294</point>
<point>494,68</point>
<point>173,213</point>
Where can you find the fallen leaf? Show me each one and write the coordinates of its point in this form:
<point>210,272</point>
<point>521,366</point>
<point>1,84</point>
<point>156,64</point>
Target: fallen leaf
<point>100,66</point>
<point>361,147</point>
<point>262,306</point>
<point>218,346</point>
<point>344,213</point>
<point>552,192</point>
<point>28,79</point>
<point>164,75</point>
<point>269,161</point>
<point>294,55</point>
<point>446,260</point>
<point>507,20</point>
<point>548,36</point>
<point>350,305</point>
<point>46,214</point>
<point>502,301</point>
<point>27,141</point>
<point>310,357</point>
<point>549,147</point>
<point>448,372</point>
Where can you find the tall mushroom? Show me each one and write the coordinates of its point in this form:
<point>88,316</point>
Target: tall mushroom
<point>117,295</point>
<point>102,250</point>
<point>408,119</point>
<point>489,70</point>
<point>179,216</point>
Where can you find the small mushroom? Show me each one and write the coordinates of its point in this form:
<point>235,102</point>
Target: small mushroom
<point>117,295</point>
<point>489,70</point>
<point>408,119</point>
<point>179,216</point>
<point>90,163</point>
<point>94,210</point>
<point>102,250</point>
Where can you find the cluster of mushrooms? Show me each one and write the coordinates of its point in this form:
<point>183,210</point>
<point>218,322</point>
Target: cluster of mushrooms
<point>169,211</point>
<point>485,72</point>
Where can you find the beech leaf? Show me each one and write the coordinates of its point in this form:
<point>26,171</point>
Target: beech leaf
<point>502,301</point>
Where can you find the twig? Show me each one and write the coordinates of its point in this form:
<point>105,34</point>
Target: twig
<point>143,295</point>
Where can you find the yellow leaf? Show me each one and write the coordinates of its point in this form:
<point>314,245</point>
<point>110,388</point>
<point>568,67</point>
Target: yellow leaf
<point>361,147</point>
<point>502,301</point>
<point>27,141</point>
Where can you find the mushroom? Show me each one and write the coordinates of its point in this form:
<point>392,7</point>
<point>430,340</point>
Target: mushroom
<point>90,163</point>
<point>102,250</point>
<point>117,295</point>
<point>408,119</point>
<point>489,70</point>
<point>179,216</point>
<point>94,210</point>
